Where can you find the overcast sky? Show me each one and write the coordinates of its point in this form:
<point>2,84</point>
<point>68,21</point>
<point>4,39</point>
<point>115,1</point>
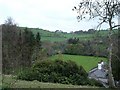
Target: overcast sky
<point>46,14</point>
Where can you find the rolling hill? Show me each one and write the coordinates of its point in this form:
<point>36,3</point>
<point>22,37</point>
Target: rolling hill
<point>62,36</point>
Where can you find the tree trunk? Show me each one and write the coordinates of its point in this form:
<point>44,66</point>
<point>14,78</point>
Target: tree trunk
<point>110,76</point>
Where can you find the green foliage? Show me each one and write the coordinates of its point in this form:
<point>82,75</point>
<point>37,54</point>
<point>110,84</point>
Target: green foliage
<point>26,73</point>
<point>95,47</point>
<point>93,82</point>
<point>57,71</point>
<point>8,80</point>
<point>74,49</point>
<point>38,38</point>
<point>27,48</point>
<point>73,40</point>
<point>62,36</point>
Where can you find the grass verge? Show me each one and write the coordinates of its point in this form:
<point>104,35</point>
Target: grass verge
<point>10,82</point>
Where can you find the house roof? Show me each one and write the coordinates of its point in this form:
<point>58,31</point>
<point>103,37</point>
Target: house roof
<point>97,73</point>
<point>100,75</point>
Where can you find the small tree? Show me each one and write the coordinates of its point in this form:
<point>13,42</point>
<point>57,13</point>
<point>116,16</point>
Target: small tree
<point>37,50</point>
<point>105,10</point>
<point>38,38</point>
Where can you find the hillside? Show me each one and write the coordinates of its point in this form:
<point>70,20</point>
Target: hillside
<point>62,36</point>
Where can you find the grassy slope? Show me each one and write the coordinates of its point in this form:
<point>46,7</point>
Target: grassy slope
<point>36,84</point>
<point>52,36</point>
<point>56,37</point>
<point>88,62</point>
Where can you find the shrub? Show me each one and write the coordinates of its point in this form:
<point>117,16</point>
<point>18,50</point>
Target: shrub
<point>94,82</point>
<point>57,72</point>
<point>27,74</point>
<point>54,77</point>
<point>64,80</point>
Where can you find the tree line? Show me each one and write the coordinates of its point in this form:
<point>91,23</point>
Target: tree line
<point>18,47</point>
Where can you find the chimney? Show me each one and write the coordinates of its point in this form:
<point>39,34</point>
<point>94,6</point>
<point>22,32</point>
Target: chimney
<point>99,66</point>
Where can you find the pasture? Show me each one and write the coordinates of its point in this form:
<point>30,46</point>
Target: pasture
<point>51,36</point>
<point>88,62</point>
<point>47,35</point>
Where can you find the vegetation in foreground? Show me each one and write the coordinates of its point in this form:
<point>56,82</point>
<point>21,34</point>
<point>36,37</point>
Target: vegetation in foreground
<point>10,82</point>
<point>58,71</point>
<point>87,62</point>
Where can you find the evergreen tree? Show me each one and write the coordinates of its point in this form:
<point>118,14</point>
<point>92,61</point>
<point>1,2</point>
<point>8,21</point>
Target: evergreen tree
<point>27,47</point>
<point>38,42</point>
<point>37,51</point>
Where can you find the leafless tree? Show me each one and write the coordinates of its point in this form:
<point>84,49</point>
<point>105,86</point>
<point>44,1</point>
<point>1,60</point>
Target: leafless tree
<point>105,11</point>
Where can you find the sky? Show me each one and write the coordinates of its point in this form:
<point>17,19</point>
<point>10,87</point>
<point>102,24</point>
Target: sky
<point>46,14</point>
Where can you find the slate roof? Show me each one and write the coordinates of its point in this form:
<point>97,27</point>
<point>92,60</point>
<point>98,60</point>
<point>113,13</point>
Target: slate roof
<point>100,75</point>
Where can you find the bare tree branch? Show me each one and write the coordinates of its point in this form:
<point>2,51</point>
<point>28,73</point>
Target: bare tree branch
<point>106,10</point>
<point>116,26</point>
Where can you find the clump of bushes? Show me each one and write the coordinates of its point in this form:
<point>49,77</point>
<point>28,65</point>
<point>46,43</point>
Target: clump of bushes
<point>58,71</point>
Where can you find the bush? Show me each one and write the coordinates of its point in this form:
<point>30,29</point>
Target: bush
<point>64,80</point>
<point>94,82</point>
<point>27,74</point>
<point>54,77</point>
<point>57,72</point>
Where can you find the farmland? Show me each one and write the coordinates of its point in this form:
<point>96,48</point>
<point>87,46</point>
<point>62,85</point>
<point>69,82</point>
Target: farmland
<point>88,62</point>
<point>62,36</point>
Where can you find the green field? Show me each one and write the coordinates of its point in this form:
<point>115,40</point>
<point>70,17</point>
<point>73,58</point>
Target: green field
<point>56,37</point>
<point>88,62</point>
<point>10,82</point>
<point>47,35</point>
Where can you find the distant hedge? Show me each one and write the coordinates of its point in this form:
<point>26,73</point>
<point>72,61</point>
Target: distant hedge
<point>58,71</point>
